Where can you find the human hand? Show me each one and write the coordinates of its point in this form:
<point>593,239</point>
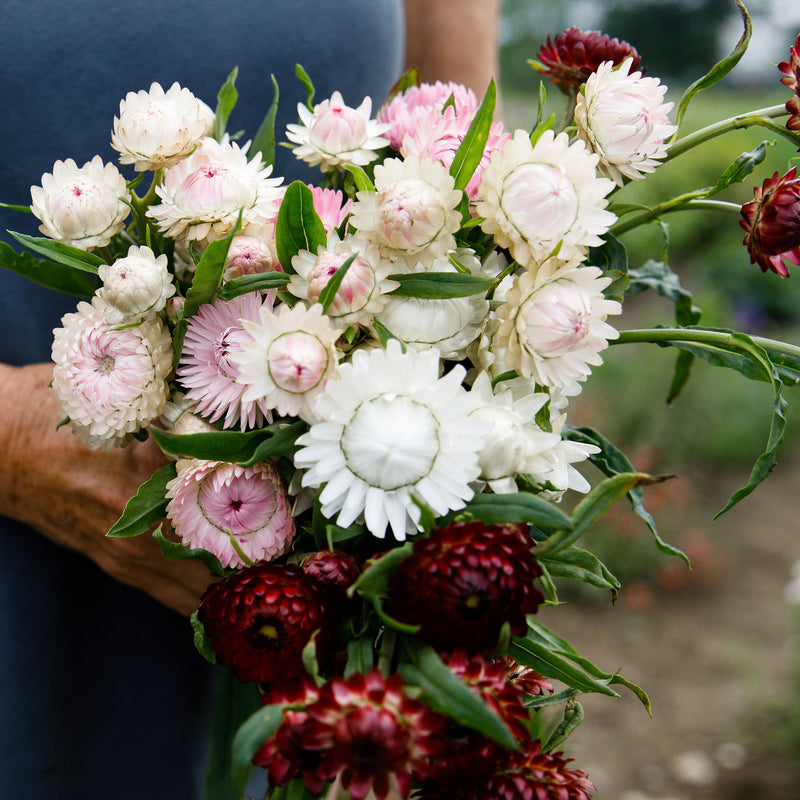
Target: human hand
<point>73,495</point>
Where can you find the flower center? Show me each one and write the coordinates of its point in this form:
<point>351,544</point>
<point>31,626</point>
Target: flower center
<point>242,505</point>
<point>227,343</point>
<point>391,441</point>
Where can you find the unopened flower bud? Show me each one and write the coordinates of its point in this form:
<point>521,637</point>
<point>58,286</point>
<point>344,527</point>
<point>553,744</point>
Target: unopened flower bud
<point>137,284</point>
<point>297,361</point>
<point>250,255</point>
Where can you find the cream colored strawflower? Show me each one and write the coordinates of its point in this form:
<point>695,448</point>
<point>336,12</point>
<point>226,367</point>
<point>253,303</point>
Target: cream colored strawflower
<point>411,214</point>
<point>157,129</point>
<point>137,285</point>
<point>392,430</point>
<point>535,198</point>
<point>334,134</point>
<point>554,324</point>
<point>622,118</point>
<point>81,206</point>
<point>110,382</point>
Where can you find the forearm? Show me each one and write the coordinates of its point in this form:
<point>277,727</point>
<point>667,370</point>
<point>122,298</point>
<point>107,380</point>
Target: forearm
<point>453,40</point>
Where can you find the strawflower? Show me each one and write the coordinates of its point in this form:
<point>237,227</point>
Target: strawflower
<point>791,71</point>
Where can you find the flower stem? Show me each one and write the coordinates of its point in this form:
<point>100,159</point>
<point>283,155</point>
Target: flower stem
<point>761,116</point>
<point>702,336</point>
<point>682,203</point>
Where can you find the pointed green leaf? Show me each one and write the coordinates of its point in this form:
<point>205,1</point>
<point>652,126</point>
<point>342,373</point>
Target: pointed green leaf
<point>383,333</point>
<point>201,641</point>
<point>440,285</point>
<point>226,100</point>
<point>445,693</point>
<point>177,552</point>
<point>470,151</point>
<point>61,253</point>
<point>408,79</point>
<point>741,168</point>
<point>573,716</point>
<point>264,140</point>
<point>302,76</point>
<point>46,273</point>
<point>328,294</point>
<point>516,507</point>
<point>578,564</point>
<point>298,226</point>
<point>360,656</point>
<point>360,178</point>
<point>262,281</point>
<point>374,580</point>
<point>250,736</point>
<point>147,507</point>
<point>720,69</point>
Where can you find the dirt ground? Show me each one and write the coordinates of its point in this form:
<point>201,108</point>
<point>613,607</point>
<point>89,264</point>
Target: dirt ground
<point>716,649</point>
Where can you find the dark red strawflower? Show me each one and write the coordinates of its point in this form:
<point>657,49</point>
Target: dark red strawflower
<point>260,619</point>
<point>534,775</point>
<point>772,224</point>
<point>791,80</point>
<point>334,570</point>
<point>574,55</point>
<point>370,734</point>
<point>526,680</point>
<point>464,582</point>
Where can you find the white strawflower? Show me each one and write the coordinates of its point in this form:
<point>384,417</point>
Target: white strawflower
<point>202,195</point>
<point>533,198</point>
<point>554,325</point>
<point>137,285</point>
<point>157,129</point>
<point>110,382</point>
<point>515,440</point>
<point>622,118</point>
<point>449,324</point>
<point>362,292</point>
<point>84,207</point>
<point>391,430</point>
<point>334,134</point>
<point>288,360</point>
<point>411,214</point>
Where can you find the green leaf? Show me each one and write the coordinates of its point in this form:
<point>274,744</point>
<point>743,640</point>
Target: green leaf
<point>264,140</point>
<point>720,69</point>
<point>445,693</point>
<point>542,99</point>
<point>541,127</point>
<point>360,656</point>
<point>582,565</point>
<point>201,641</point>
<point>262,281</point>
<point>470,151</point>
<point>383,333</point>
<point>612,461</point>
<point>611,256</point>
<point>374,580</point>
<point>245,448</point>
<point>250,736</point>
<point>741,168</point>
<point>328,294</point>
<point>208,273</point>
<point>516,507</point>
<point>302,76</point>
<point>147,507</point>
<point>61,253</point>
<point>178,336</point>
<point>592,507</point>
<point>24,209</point>
<point>573,716</point>
<point>360,178</point>
<point>46,273</point>
<point>555,699</point>
<point>226,100</point>
<point>440,285</point>
<point>298,226</point>
<point>177,552</point>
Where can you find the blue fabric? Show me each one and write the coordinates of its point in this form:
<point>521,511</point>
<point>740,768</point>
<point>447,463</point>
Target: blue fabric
<point>101,692</point>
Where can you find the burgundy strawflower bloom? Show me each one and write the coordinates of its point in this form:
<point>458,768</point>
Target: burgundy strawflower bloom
<point>791,70</point>
<point>574,55</point>
<point>463,582</point>
<point>260,619</point>
<point>370,734</point>
<point>334,570</point>
<point>772,223</point>
<point>533,775</point>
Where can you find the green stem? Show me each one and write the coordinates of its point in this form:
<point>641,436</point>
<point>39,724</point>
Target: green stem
<point>713,338</point>
<point>140,206</point>
<point>682,203</point>
<point>761,116</point>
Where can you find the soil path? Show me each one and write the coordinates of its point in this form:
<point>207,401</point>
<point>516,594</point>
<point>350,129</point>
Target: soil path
<point>718,659</point>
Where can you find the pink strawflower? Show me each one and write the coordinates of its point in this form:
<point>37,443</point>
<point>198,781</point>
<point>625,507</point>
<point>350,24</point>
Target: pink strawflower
<point>331,206</point>
<point>208,371</point>
<point>218,507</point>
<point>109,381</point>
<point>439,134</point>
<point>251,255</point>
<point>404,110</point>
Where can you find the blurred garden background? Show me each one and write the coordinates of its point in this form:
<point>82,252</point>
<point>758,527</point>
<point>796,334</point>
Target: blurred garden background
<point>717,648</point>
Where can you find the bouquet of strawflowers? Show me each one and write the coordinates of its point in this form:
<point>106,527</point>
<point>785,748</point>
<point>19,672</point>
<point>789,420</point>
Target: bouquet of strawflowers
<point>363,387</point>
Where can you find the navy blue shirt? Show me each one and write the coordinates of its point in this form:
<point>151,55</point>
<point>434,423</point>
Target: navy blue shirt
<point>101,691</point>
